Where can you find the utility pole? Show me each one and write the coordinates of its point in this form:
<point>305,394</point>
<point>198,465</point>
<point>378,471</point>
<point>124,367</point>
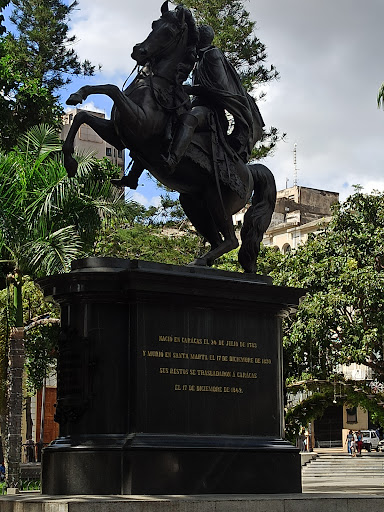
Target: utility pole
<point>295,164</point>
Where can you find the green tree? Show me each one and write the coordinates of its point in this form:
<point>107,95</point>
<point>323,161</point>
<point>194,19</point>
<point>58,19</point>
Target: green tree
<point>41,323</point>
<point>162,244</point>
<point>341,318</point>
<point>46,220</point>
<point>34,63</point>
<point>268,261</point>
<point>234,35</point>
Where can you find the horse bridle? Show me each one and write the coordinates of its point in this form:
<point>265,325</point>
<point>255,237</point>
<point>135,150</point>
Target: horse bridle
<point>151,74</point>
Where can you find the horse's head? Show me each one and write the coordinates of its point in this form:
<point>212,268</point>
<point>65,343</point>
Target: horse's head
<point>174,32</point>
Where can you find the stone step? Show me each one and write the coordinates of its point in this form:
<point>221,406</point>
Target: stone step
<point>353,464</point>
<point>342,472</point>
<point>331,469</point>
<point>322,475</point>
<point>337,466</point>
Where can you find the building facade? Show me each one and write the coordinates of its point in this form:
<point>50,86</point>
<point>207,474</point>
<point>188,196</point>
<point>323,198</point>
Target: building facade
<point>299,211</point>
<point>87,140</point>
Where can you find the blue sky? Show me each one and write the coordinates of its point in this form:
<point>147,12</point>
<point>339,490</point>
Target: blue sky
<point>330,59</point>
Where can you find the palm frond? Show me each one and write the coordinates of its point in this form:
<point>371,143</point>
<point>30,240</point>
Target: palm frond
<point>46,218</point>
<point>54,252</point>
<point>39,141</point>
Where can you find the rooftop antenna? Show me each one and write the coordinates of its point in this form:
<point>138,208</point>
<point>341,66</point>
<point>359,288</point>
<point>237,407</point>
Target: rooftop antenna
<point>295,164</point>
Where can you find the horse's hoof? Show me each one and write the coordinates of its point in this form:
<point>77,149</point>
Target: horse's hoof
<point>74,99</point>
<point>198,262</point>
<point>70,165</point>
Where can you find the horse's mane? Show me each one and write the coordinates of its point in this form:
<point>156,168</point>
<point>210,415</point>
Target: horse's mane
<point>186,66</point>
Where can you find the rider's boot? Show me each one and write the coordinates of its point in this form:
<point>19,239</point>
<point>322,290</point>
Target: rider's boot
<point>132,179</point>
<point>180,142</point>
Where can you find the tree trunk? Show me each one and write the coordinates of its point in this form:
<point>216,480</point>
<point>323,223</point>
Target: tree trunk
<point>15,408</point>
<point>15,390</point>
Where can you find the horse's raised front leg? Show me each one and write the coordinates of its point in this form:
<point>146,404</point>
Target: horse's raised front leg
<point>103,127</point>
<point>126,107</point>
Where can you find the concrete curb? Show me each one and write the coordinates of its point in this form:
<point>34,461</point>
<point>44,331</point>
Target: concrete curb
<point>29,502</point>
<point>307,457</point>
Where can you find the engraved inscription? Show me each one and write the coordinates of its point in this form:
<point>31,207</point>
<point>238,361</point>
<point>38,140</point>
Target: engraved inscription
<point>228,364</point>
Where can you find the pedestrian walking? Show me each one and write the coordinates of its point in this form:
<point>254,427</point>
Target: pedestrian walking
<point>348,441</point>
<point>359,442</point>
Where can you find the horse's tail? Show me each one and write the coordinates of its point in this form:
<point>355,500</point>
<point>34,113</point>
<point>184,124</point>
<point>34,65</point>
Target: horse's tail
<point>258,216</point>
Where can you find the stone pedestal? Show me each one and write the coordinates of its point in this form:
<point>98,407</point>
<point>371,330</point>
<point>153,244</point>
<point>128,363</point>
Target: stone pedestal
<point>169,382</point>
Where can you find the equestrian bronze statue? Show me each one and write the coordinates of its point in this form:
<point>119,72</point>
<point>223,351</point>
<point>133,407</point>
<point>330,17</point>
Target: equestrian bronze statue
<point>194,138</point>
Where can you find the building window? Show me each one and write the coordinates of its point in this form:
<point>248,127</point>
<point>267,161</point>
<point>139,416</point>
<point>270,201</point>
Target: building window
<point>108,151</point>
<point>120,153</point>
<point>286,249</point>
<point>352,415</point>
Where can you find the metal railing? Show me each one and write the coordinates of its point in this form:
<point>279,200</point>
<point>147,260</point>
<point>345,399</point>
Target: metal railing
<point>329,444</point>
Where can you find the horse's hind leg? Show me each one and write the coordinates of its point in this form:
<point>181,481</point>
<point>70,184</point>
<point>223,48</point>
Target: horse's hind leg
<point>103,127</point>
<point>220,209</point>
<point>212,222</point>
<point>200,216</point>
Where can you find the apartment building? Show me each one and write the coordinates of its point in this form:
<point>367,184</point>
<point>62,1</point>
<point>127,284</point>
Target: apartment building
<point>299,211</point>
<point>87,139</point>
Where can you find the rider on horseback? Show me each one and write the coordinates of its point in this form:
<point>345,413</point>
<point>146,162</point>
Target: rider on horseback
<point>213,180</point>
<point>217,88</point>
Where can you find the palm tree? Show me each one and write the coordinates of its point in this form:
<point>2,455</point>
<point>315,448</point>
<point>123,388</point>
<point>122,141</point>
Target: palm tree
<point>46,220</point>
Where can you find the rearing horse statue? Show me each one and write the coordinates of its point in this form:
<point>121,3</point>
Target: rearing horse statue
<point>213,181</point>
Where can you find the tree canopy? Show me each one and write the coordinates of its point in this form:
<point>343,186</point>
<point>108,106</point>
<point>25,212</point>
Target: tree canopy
<point>341,318</point>
<point>46,218</point>
<point>35,62</point>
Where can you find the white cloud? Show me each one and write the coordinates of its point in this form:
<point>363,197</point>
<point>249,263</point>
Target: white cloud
<point>145,201</point>
<point>107,31</point>
<point>155,201</point>
<point>139,198</point>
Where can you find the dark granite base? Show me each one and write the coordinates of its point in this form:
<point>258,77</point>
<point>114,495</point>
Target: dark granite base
<point>194,465</point>
<point>169,382</point>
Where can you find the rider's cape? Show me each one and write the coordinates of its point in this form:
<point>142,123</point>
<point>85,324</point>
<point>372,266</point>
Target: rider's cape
<point>223,90</point>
